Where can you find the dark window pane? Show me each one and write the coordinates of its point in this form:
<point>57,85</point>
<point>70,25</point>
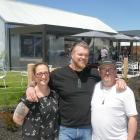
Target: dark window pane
<point>38,46</point>
<point>26,46</point>
<point>31,46</point>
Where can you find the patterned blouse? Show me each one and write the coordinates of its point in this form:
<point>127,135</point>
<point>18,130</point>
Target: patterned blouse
<point>41,120</point>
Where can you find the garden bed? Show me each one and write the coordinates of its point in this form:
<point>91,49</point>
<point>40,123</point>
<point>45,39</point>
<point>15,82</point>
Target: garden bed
<point>8,130</point>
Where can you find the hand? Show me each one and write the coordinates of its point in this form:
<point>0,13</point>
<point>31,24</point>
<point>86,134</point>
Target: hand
<point>31,94</point>
<point>120,85</point>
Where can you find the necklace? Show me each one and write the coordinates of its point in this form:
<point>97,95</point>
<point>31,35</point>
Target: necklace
<point>79,83</point>
<point>77,75</point>
<point>105,95</point>
<point>106,91</point>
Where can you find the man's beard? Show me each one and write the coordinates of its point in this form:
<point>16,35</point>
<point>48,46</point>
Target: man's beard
<point>107,78</point>
<point>80,65</point>
<point>108,81</point>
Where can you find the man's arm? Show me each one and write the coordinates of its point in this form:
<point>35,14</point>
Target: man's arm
<point>120,85</point>
<point>20,113</point>
<point>30,92</point>
<point>132,127</point>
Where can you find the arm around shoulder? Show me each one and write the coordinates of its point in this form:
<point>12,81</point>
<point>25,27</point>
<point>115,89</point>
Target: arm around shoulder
<point>30,92</point>
<point>120,85</point>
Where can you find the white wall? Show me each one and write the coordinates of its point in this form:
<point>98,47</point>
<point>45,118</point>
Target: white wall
<point>128,43</point>
<point>2,41</point>
<point>100,43</point>
<point>15,50</point>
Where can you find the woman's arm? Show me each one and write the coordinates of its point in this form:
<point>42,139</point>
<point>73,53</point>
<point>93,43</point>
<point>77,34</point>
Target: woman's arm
<point>20,113</point>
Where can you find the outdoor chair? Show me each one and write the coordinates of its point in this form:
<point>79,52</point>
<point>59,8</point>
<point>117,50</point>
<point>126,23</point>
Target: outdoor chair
<point>119,66</point>
<point>133,69</point>
<point>23,75</point>
<point>3,74</point>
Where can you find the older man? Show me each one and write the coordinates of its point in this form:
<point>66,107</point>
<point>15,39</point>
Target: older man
<point>113,114</point>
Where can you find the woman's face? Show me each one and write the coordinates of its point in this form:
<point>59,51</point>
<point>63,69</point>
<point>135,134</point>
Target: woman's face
<point>42,75</point>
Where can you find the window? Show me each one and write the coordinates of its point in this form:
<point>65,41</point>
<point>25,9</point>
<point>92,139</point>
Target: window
<point>31,46</point>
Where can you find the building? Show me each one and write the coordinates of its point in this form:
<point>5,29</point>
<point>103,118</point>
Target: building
<point>32,33</point>
<point>135,45</point>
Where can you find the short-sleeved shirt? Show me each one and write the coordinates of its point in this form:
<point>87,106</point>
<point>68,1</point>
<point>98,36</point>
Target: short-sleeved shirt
<point>41,120</point>
<point>109,112</point>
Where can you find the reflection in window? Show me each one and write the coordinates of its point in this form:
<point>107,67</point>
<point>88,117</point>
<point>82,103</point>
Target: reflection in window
<point>31,46</point>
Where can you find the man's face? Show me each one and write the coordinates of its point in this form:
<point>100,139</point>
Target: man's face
<point>79,57</point>
<point>108,74</point>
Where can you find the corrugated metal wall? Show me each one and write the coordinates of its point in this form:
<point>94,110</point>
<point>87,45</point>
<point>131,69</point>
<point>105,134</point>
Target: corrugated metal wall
<point>2,42</point>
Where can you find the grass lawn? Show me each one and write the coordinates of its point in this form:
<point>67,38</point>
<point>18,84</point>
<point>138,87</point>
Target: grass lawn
<point>10,95</point>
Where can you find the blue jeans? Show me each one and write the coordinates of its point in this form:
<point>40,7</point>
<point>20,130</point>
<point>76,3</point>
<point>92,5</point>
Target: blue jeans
<point>79,133</point>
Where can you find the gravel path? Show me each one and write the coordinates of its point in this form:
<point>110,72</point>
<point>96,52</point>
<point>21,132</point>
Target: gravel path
<point>7,134</point>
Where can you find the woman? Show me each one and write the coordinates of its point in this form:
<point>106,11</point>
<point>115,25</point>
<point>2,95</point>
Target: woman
<point>39,119</point>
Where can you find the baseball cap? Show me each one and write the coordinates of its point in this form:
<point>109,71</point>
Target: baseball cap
<point>107,61</point>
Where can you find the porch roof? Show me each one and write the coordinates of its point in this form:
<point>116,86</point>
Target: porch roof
<point>25,13</point>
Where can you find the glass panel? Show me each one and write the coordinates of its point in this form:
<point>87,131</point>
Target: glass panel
<point>27,46</point>
<point>38,47</point>
<point>58,55</point>
<point>31,46</point>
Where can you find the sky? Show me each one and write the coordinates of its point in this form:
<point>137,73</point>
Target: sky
<point>119,14</point>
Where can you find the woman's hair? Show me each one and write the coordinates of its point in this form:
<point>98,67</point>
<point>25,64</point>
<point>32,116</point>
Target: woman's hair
<point>38,64</point>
